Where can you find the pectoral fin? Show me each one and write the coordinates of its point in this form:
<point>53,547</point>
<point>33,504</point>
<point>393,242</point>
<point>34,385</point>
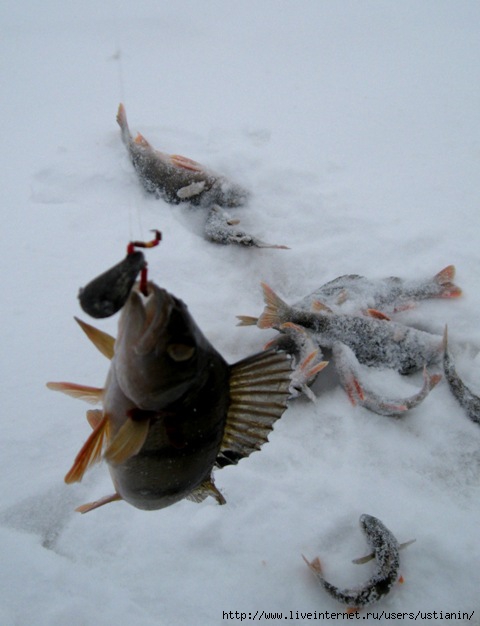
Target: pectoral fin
<point>259,389</point>
<point>81,392</point>
<point>128,441</point>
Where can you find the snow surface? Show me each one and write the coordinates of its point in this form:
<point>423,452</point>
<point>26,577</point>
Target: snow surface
<point>356,127</point>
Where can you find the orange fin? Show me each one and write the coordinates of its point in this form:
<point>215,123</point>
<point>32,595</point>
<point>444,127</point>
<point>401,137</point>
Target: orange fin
<point>141,141</point>
<point>94,417</point>
<point>275,310</point>
<point>186,163</point>
<point>128,441</point>
<point>90,452</point>
<point>352,609</point>
<point>314,565</point>
<point>247,320</point>
<point>318,306</point>
<point>401,580</point>
<point>378,314</point>
<point>444,278</point>
<point>90,506</point>
<point>102,341</point>
<point>81,392</point>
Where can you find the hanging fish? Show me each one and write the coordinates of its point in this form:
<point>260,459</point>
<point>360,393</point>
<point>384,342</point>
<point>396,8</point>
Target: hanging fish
<point>466,398</point>
<point>173,409</point>
<point>386,553</point>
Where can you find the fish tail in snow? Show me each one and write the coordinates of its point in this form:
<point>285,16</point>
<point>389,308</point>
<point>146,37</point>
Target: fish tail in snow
<point>122,122</point>
<point>247,320</point>
<point>276,311</point>
<point>444,279</point>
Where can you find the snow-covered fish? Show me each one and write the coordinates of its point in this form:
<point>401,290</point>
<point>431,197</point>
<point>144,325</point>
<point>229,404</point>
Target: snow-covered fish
<point>466,398</point>
<point>173,409</point>
<point>307,357</point>
<point>348,369</point>
<point>177,178</point>
<point>375,342</point>
<point>353,293</point>
<point>386,553</point>
<point>219,228</point>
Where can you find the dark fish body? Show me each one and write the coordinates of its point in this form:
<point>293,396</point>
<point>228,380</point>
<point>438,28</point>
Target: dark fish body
<point>465,397</point>
<point>176,178</point>
<point>173,409</point>
<point>353,293</point>
<point>386,553</point>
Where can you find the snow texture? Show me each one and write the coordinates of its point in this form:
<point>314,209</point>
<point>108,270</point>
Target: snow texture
<point>355,126</point>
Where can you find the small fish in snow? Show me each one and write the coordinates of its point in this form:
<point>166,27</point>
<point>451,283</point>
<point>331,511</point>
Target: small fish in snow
<point>386,553</point>
<point>466,398</point>
<point>173,409</point>
<point>348,369</point>
<point>375,342</point>
<point>176,178</point>
<point>219,228</point>
<point>353,293</point>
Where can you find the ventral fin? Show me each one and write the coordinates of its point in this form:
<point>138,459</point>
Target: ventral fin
<point>81,392</point>
<point>259,389</point>
<point>90,506</point>
<point>102,341</point>
<point>90,452</point>
<point>369,557</point>
<point>128,441</point>
<point>205,489</point>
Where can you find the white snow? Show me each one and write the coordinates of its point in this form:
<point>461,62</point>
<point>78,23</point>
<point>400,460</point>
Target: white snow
<point>356,127</point>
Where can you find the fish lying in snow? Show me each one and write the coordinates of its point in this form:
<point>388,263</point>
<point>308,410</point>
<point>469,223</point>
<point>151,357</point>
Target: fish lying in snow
<point>386,553</point>
<point>348,370</point>
<point>179,179</point>
<point>353,293</point>
<point>307,357</point>
<point>375,342</point>
<point>466,398</point>
<point>173,409</point>
<point>218,228</point>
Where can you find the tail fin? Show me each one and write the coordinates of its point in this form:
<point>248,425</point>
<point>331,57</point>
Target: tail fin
<point>122,122</point>
<point>444,278</point>
<point>247,320</point>
<point>276,311</point>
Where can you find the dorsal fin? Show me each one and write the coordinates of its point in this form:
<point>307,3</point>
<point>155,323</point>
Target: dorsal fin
<point>128,440</point>
<point>90,452</point>
<point>102,341</point>
<point>81,392</point>
<point>259,389</point>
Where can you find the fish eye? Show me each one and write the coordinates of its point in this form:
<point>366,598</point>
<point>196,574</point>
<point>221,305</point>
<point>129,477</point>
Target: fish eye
<point>180,351</point>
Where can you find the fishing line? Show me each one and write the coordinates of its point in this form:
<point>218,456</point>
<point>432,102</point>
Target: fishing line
<point>133,210</point>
